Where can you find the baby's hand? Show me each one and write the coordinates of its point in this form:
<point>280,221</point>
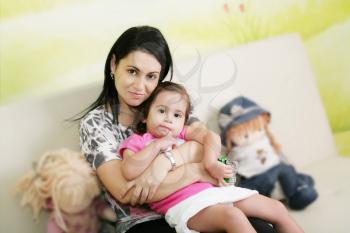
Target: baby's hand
<point>220,171</point>
<point>165,143</point>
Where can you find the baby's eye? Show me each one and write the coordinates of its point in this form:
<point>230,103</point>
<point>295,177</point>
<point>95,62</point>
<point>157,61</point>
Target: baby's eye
<point>161,110</point>
<point>177,115</point>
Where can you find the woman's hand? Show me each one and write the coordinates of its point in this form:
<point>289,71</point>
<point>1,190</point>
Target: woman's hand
<point>110,174</point>
<point>146,185</point>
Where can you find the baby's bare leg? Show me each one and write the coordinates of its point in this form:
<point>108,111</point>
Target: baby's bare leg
<point>220,218</point>
<point>270,210</point>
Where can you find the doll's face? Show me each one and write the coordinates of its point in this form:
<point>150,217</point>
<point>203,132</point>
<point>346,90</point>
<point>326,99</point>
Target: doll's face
<point>247,137</point>
<point>246,133</point>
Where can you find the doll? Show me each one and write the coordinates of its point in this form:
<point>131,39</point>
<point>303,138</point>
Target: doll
<point>248,140</point>
<point>62,183</point>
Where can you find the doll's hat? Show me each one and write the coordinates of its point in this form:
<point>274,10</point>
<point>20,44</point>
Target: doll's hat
<point>238,110</point>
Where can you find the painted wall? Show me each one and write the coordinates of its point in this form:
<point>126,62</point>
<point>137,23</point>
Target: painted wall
<point>49,46</point>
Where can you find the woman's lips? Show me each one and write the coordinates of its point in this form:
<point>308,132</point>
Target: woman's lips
<point>136,95</point>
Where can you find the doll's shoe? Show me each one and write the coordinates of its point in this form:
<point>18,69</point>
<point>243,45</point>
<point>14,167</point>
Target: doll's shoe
<point>303,197</point>
<point>305,179</point>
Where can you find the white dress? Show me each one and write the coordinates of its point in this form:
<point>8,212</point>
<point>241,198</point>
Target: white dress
<point>178,215</point>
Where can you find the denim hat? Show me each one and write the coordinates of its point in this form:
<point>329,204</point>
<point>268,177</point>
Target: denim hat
<point>238,110</point>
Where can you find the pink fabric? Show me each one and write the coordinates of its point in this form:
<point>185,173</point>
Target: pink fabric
<point>136,143</point>
<point>163,205</point>
<point>86,221</point>
<point>52,226</point>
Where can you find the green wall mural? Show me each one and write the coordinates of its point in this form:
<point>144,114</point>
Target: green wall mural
<point>48,46</point>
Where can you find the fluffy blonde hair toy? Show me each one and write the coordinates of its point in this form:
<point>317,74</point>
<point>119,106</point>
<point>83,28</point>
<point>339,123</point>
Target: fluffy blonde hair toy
<point>249,141</point>
<point>63,183</point>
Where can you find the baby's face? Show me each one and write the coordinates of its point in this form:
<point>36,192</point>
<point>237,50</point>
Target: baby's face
<point>167,114</point>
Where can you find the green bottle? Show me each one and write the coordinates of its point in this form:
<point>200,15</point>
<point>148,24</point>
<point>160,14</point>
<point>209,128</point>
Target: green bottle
<point>234,164</point>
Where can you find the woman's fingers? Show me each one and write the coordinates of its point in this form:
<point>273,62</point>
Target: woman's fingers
<point>143,196</point>
<point>136,195</point>
<point>151,193</point>
<point>127,188</point>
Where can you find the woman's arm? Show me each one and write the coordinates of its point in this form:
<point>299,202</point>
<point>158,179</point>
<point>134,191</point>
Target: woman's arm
<point>181,177</point>
<point>212,148</point>
<point>110,174</point>
<point>136,191</point>
<point>211,142</point>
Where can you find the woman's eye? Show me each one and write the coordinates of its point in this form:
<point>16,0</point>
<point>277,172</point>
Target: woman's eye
<point>132,71</point>
<point>152,76</point>
<point>161,110</point>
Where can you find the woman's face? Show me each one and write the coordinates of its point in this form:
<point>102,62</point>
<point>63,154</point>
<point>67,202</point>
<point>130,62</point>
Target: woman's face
<point>135,77</point>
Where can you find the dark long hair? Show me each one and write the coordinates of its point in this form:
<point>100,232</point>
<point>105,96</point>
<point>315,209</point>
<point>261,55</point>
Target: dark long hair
<point>143,110</point>
<point>143,38</point>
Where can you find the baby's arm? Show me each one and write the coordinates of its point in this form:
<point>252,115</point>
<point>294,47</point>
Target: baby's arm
<point>134,164</point>
<point>211,147</point>
<point>146,186</point>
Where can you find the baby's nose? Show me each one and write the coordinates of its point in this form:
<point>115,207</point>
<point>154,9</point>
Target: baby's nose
<point>168,118</point>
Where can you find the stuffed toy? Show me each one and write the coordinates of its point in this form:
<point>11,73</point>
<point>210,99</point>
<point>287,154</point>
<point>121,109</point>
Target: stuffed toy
<point>62,183</point>
<point>248,140</point>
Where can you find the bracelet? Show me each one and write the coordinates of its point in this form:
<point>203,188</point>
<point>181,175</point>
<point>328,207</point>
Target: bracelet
<point>170,156</point>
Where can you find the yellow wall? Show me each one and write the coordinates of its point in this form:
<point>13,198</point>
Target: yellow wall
<point>48,46</point>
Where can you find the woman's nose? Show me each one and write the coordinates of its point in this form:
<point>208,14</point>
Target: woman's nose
<point>139,84</point>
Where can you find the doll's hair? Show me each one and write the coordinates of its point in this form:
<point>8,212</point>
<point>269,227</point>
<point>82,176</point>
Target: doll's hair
<point>62,179</point>
<point>256,123</point>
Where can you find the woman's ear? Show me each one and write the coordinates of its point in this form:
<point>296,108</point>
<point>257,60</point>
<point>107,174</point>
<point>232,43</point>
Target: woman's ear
<point>113,64</point>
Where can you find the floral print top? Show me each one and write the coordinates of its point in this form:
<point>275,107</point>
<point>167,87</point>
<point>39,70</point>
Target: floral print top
<point>100,139</point>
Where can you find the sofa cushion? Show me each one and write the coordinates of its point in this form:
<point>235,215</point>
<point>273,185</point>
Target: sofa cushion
<point>330,212</point>
<point>276,74</point>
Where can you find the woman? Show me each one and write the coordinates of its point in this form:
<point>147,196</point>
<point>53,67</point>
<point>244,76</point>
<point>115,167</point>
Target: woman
<point>136,63</point>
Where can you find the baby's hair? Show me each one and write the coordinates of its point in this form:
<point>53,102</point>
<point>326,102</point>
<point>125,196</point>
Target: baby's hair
<point>143,110</point>
<point>61,180</point>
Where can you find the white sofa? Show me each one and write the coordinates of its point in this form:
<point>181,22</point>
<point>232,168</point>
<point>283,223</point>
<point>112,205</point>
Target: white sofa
<point>273,72</point>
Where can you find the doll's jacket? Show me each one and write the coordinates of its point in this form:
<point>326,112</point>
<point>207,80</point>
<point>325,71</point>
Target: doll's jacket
<point>255,158</point>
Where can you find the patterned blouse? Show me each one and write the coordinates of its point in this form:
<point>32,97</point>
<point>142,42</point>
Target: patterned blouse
<point>100,139</point>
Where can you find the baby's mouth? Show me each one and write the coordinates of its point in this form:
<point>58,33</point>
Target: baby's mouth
<point>164,128</point>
